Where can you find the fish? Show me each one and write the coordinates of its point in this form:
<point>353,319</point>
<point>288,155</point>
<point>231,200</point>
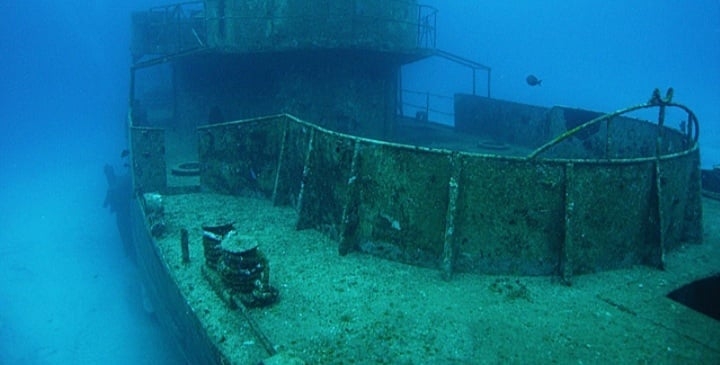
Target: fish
<point>124,153</point>
<point>532,80</point>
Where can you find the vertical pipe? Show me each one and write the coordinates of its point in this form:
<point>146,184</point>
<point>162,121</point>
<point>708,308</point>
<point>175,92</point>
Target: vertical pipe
<point>176,79</point>
<point>434,28</point>
<point>448,256</point>
<point>221,21</point>
<point>488,82</point>
<point>350,218</point>
<point>427,106</point>
<point>131,97</point>
<point>419,27</point>
<point>659,259</point>
<point>184,245</point>
<point>305,219</point>
<point>566,269</point>
<point>474,82</point>
<point>400,103</point>
<point>608,138</point>
<point>661,124</point>
<point>280,166</point>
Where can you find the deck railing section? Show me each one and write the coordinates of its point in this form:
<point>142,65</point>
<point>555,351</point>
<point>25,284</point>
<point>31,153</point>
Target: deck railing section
<point>174,29</point>
<point>456,210</point>
<point>168,30</point>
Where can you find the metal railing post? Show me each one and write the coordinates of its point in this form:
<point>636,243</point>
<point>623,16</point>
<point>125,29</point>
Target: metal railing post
<point>488,82</point>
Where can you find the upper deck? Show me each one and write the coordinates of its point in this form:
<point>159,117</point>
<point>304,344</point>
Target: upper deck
<point>400,27</point>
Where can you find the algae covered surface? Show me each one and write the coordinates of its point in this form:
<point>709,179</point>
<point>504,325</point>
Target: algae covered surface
<point>362,309</point>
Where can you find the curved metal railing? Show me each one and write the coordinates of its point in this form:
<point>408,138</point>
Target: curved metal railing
<point>692,130</point>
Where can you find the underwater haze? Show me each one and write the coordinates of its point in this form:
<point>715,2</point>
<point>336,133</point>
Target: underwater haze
<point>68,292</point>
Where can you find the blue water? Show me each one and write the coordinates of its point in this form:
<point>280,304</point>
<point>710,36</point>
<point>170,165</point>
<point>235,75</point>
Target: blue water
<point>68,294</point>
<point>592,54</point>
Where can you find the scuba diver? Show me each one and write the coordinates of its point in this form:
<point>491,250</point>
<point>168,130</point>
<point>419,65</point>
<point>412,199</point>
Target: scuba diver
<point>118,198</point>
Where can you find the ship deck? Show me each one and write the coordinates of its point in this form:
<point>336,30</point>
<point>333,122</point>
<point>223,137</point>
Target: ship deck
<point>362,309</point>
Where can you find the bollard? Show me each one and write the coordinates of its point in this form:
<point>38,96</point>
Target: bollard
<point>212,236</point>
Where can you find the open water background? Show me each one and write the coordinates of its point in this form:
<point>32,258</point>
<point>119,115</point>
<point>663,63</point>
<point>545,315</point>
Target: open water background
<point>68,294</point>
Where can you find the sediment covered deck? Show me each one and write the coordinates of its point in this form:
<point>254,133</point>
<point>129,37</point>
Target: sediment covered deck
<point>360,309</point>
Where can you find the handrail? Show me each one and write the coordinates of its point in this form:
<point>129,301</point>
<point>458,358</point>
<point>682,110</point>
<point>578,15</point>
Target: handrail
<point>176,8</point>
<point>467,63</point>
<point>461,60</point>
<point>426,108</point>
<point>692,132</point>
<point>175,29</point>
